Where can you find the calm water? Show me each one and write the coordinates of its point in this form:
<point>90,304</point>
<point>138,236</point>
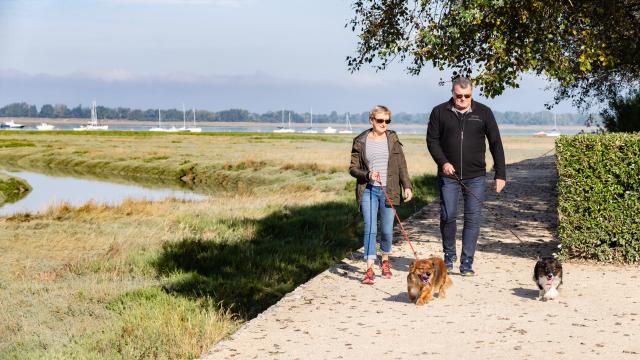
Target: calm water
<point>417,129</point>
<point>49,190</point>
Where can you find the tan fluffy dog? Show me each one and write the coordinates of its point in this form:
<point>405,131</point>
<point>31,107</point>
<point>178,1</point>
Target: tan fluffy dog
<point>427,276</point>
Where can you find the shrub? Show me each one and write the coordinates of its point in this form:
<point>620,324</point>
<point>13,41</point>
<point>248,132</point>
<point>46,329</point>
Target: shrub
<point>599,196</point>
<point>623,114</point>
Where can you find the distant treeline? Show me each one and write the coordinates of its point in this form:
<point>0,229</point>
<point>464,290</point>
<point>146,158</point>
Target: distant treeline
<point>79,112</point>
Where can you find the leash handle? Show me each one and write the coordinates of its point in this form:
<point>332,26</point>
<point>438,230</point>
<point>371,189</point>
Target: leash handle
<point>406,236</point>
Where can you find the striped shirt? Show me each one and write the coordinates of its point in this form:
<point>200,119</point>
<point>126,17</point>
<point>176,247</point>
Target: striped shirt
<point>378,159</point>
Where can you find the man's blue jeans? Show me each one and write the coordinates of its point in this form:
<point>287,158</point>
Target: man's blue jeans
<point>374,202</point>
<point>449,195</point>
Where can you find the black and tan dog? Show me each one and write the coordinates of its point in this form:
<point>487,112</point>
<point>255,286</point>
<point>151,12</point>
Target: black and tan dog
<point>547,274</point>
<point>427,276</point>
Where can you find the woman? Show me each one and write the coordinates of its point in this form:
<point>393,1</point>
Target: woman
<point>378,164</point>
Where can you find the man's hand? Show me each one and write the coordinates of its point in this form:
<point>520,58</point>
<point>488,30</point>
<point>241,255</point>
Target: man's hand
<point>408,194</point>
<point>448,169</point>
<point>500,184</point>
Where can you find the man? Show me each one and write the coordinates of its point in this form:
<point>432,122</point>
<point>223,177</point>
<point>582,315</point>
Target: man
<point>456,141</point>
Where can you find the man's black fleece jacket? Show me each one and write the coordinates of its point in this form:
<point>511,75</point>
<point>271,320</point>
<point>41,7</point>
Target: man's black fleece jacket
<point>459,139</point>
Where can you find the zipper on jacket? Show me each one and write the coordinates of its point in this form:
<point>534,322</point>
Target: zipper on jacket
<point>463,118</point>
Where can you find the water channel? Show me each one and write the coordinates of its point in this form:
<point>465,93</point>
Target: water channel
<point>49,190</point>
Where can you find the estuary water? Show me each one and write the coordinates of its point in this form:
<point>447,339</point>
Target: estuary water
<point>49,190</point>
<point>505,129</point>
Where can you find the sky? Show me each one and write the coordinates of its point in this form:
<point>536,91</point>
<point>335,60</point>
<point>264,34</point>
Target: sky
<point>258,55</point>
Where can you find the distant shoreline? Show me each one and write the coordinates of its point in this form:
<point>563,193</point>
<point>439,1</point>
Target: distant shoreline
<point>74,121</point>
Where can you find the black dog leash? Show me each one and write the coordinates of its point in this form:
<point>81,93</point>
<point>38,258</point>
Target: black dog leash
<point>480,202</point>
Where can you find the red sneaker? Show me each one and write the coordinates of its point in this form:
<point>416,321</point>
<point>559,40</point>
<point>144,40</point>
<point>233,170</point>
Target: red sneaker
<point>386,269</point>
<point>369,277</point>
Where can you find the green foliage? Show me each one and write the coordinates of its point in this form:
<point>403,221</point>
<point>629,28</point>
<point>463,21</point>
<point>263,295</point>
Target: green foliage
<point>599,196</point>
<point>495,41</point>
<point>12,189</point>
<point>623,114</point>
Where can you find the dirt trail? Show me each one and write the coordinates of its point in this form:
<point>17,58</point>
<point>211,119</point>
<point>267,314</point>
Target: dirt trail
<point>494,315</point>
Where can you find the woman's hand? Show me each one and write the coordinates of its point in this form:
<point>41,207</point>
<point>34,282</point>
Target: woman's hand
<point>408,194</point>
<point>374,175</point>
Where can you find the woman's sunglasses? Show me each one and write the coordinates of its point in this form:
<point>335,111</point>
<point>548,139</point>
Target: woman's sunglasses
<point>380,121</point>
<point>460,96</point>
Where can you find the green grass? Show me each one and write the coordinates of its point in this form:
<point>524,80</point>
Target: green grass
<point>12,189</point>
<point>11,143</point>
<point>251,263</point>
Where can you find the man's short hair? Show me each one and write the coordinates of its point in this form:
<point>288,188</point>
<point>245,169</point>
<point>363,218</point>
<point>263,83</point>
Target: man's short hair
<point>379,109</point>
<point>461,81</point>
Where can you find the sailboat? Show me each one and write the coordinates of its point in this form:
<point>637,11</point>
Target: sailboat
<point>159,128</point>
<point>44,126</point>
<point>310,128</point>
<point>93,123</point>
<point>554,131</point>
<point>282,129</point>
<point>13,125</point>
<point>193,128</point>
<point>184,120</point>
<point>348,129</point>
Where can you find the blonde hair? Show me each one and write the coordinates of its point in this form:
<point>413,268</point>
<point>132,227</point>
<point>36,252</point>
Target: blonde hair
<point>379,109</point>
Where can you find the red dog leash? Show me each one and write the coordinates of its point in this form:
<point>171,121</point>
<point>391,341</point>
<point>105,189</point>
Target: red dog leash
<point>406,236</point>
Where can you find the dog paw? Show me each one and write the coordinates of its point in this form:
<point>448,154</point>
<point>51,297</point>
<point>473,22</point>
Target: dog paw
<point>551,294</point>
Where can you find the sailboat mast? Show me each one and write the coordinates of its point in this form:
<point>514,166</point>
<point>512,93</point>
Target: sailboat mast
<point>194,116</point>
<point>94,114</point>
<point>184,117</point>
<point>159,118</point>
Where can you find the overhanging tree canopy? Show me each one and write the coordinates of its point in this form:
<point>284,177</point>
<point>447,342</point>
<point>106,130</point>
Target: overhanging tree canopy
<point>589,47</point>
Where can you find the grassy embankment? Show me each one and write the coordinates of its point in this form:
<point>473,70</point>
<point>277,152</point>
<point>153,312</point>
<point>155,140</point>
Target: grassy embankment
<point>169,279</point>
<point>12,189</point>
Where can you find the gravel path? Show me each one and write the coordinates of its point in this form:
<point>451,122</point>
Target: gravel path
<point>492,315</point>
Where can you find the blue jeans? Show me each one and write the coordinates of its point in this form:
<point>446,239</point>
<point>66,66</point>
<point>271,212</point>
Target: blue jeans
<point>374,201</point>
<point>449,195</point>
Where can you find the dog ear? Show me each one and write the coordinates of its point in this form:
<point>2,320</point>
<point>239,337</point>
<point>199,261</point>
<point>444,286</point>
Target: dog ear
<point>412,266</point>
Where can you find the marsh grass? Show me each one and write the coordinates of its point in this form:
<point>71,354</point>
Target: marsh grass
<point>168,279</point>
<point>12,189</point>
<point>15,143</point>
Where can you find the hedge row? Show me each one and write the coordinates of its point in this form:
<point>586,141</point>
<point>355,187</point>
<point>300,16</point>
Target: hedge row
<point>599,196</point>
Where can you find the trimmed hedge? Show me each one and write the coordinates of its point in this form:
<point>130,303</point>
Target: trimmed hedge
<point>599,196</point>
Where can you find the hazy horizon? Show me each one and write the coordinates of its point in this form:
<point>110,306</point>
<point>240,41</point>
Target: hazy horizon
<point>210,54</point>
